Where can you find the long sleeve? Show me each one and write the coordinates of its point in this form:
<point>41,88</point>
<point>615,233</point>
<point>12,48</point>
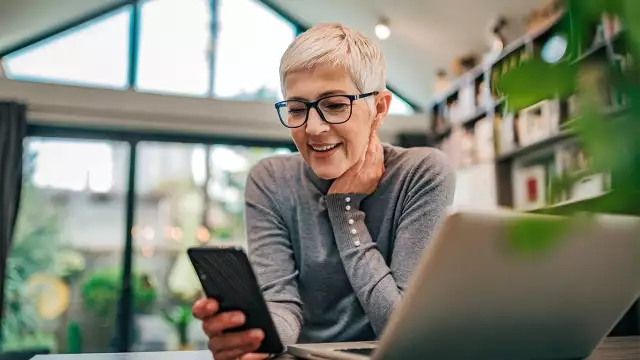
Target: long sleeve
<point>378,286</point>
<point>271,254</point>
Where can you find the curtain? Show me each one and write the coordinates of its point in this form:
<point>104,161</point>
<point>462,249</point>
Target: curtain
<point>13,128</point>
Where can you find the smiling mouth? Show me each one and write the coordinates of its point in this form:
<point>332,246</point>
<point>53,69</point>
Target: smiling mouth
<point>325,148</point>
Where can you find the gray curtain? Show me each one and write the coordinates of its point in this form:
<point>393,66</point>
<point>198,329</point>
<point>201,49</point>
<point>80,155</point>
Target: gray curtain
<point>13,128</point>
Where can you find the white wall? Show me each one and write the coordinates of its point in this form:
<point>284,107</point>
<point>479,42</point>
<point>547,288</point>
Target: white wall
<point>117,109</point>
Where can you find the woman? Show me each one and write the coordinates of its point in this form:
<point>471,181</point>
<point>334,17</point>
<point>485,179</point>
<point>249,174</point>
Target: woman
<point>335,231</point>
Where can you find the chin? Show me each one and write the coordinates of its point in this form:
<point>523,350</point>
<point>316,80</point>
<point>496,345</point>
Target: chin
<point>327,173</point>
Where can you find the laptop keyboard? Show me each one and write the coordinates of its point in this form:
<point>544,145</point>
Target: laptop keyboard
<point>362,351</point>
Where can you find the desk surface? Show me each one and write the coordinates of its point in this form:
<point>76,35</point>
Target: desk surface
<point>625,348</point>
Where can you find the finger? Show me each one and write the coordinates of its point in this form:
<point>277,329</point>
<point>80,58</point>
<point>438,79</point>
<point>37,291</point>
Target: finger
<point>228,320</point>
<point>234,354</point>
<point>254,356</point>
<point>374,153</point>
<point>204,308</point>
<point>248,340</point>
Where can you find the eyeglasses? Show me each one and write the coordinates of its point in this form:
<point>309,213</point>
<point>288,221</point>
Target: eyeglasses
<point>333,109</point>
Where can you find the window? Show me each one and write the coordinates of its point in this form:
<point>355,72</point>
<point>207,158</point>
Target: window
<point>251,41</point>
<point>88,166</point>
<point>174,46</point>
<point>399,106</point>
<point>64,269</point>
<point>95,54</point>
<point>187,195</point>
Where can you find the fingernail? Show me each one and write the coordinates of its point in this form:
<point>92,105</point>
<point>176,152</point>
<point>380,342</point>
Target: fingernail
<point>256,334</point>
<point>238,318</point>
<point>211,307</point>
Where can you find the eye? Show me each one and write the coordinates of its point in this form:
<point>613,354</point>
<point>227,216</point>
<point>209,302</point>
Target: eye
<point>297,111</point>
<point>335,105</point>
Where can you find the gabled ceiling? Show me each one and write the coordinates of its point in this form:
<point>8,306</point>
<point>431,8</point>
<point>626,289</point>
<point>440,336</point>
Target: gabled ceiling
<point>425,34</point>
<point>21,20</point>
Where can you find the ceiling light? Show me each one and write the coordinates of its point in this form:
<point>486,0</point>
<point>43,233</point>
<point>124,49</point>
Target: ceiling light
<point>382,29</point>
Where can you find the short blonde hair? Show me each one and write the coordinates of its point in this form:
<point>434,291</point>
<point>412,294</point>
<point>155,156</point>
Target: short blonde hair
<point>336,45</point>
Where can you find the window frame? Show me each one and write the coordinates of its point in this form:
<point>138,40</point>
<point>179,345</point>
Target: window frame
<point>134,34</point>
<point>61,33</point>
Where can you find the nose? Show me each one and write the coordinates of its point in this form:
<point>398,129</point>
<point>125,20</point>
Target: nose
<point>315,124</point>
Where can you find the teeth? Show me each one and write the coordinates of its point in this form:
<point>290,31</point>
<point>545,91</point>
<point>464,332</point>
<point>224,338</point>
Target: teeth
<point>324,148</point>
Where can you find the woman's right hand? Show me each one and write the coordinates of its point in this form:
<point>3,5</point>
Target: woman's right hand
<point>229,345</point>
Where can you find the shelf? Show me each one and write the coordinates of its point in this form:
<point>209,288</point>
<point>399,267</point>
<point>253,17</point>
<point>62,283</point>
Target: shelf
<point>455,85</point>
<point>607,202</point>
<point>482,67</point>
<point>598,46</point>
<point>539,145</point>
<point>480,113</point>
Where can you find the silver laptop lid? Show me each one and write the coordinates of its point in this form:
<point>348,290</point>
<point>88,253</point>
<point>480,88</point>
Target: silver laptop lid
<point>503,285</point>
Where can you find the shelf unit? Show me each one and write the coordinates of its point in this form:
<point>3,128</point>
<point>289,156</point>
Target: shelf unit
<point>507,162</point>
<point>471,105</point>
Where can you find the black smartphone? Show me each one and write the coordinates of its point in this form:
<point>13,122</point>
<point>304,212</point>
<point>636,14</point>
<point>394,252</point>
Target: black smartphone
<point>226,276</point>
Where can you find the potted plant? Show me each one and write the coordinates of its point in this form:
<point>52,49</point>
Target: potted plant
<point>180,317</point>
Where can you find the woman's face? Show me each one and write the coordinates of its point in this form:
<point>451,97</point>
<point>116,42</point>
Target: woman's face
<point>331,149</point>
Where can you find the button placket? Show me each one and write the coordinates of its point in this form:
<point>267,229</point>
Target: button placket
<point>353,230</point>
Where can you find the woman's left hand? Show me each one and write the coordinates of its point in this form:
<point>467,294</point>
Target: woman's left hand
<point>364,176</point>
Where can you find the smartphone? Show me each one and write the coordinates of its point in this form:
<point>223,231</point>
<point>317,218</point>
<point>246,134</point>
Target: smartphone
<point>226,276</point>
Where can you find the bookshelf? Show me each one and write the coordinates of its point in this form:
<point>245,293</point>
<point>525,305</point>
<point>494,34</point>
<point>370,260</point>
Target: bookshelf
<point>531,149</point>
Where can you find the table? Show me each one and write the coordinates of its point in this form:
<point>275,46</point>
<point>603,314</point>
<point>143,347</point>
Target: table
<point>622,348</point>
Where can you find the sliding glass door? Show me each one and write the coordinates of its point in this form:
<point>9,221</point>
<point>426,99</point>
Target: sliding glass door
<point>64,268</point>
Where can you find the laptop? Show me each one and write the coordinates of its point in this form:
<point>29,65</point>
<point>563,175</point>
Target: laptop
<point>507,285</point>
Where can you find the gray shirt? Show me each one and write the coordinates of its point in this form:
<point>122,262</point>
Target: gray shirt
<point>333,267</point>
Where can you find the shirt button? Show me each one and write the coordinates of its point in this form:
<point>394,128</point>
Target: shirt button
<point>353,231</point>
<point>348,207</point>
<point>351,221</point>
<point>357,243</point>
<point>348,199</point>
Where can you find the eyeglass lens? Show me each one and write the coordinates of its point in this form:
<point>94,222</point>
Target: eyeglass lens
<point>335,110</point>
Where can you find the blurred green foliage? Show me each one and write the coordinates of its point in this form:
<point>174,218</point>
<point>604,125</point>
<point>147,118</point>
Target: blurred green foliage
<point>101,291</point>
<point>35,244</point>
<point>534,236</point>
<point>180,317</point>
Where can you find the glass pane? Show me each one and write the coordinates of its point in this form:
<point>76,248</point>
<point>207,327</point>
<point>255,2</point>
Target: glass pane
<point>174,42</point>
<point>181,203</point>
<point>251,41</point>
<point>94,54</point>
<point>64,268</point>
<point>399,106</point>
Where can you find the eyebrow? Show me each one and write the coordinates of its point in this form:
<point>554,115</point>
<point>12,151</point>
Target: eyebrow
<point>326,93</point>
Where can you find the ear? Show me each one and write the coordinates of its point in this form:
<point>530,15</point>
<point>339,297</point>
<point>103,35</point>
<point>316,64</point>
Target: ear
<point>383,101</point>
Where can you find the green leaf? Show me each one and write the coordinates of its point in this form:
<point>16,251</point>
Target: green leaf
<point>534,235</point>
<point>535,80</point>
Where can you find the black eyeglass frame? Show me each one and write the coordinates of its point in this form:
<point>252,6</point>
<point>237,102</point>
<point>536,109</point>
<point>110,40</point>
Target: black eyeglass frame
<point>315,104</point>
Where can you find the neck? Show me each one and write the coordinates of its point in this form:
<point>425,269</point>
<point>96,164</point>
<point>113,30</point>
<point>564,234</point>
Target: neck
<point>321,184</point>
